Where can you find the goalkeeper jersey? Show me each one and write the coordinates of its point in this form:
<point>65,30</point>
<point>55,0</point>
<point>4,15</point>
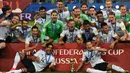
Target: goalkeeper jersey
<point>52,30</point>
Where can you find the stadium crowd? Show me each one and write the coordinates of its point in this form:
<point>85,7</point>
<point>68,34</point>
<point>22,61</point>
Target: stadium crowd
<point>61,26</point>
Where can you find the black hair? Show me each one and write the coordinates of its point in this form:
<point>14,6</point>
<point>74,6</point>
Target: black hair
<point>122,6</point>
<point>54,11</point>
<point>89,41</point>
<point>92,8</point>
<point>42,8</point>
<point>70,20</point>
<point>99,12</point>
<point>48,44</point>
<point>86,22</point>
<point>103,24</point>
<point>34,27</point>
<point>5,8</point>
<point>112,13</point>
<point>84,4</point>
<point>59,0</point>
<point>25,20</point>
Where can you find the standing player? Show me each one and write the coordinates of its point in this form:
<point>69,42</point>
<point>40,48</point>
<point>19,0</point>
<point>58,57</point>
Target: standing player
<point>71,34</point>
<point>125,17</point>
<point>36,63</point>
<point>92,55</point>
<point>52,29</point>
<point>109,9</point>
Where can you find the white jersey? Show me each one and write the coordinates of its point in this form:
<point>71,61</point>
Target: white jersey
<point>24,32</point>
<point>93,19</point>
<point>107,37</point>
<point>105,13</point>
<point>30,39</point>
<point>94,57</point>
<point>93,30</point>
<point>45,60</point>
<point>118,28</point>
<point>41,21</point>
<point>71,36</point>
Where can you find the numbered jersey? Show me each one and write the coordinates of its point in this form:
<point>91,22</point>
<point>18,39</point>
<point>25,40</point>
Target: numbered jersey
<point>45,60</point>
<point>94,57</point>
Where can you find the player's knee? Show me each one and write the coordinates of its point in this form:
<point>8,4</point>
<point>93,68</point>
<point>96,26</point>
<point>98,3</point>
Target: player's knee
<point>109,66</point>
<point>24,69</point>
<point>2,45</point>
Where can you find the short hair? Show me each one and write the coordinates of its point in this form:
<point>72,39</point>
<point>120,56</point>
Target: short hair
<point>112,13</point>
<point>108,0</point>
<point>122,6</point>
<point>17,16</point>
<point>42,8</point>
<point>76,8</point>
<point>103,24</point>
<point>59,0</point>
<point>84,4</point>
<point>34,27</point>
<point>25,20</point>
<point>5,8</point>
<point>89,41</point>
<point>99,12</point>
<point>92,8</point>
<point>54,11</point>
<point>48,44</point>
<point>86,22</point>
<point>69,20</point>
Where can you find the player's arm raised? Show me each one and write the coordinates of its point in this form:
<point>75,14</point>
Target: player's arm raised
<point>99,49</point>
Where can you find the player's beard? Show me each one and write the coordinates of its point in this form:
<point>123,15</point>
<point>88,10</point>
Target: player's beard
<point>54,20</point>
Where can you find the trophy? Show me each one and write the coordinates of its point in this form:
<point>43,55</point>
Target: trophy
<point>72,65</point>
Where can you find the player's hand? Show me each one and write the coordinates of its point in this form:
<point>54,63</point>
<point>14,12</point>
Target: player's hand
<point>50,40</point>
<point>76,19</point>
<point>61,42</point>
<point>120,20</point>
<point>127,23</point>
<point>79,42</point>
<point>36,45</point>
<point>112,45</point>
<point>7,14</point>
<point>37,59</point>
<point>123,38</point>
<point>43,44</point>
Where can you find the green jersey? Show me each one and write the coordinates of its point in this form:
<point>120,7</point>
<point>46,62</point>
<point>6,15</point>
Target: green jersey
<point>126,19</point>
<point>52,30</point>
<point>83,17</point>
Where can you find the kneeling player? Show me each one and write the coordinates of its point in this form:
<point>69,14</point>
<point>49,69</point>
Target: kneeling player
<point>93,55</point>
<point>36,63</point>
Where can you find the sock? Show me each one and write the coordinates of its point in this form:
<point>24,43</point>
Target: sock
<point>16,71</point>
<point>117,68</point>
<point>89,70</point>
<point>16,61</point>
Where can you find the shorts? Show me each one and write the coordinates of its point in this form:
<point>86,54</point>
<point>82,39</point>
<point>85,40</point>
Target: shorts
<point>2,41</point>
<point>101,66</point>
<point>28,64</point>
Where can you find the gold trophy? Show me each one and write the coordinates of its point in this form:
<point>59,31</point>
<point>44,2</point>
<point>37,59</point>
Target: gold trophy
<point>72,65</point>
